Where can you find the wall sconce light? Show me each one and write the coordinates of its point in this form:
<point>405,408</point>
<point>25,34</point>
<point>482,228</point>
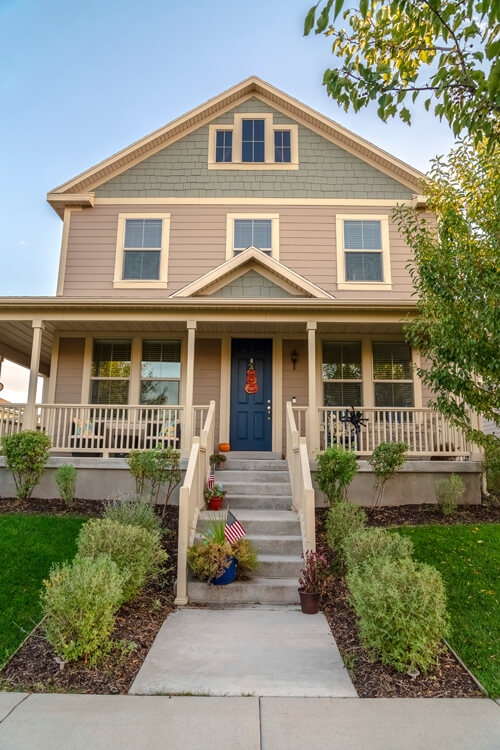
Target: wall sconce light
<point>294,400</point>
<point>294,357</point>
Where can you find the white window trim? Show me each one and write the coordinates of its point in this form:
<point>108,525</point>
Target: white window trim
<point>386,284</point>
<point>275,232</point>
<point>269,127</point>
<point>119,282</point>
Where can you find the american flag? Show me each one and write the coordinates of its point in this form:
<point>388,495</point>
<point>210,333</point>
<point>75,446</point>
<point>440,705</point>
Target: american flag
<point>211,479</point>
<point>234,530</point>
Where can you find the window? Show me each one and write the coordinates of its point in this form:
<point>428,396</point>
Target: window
<point>160,371</point>
<point>363,252</point>
<point>282,146</point>
<point>392,374</point>
<point>224,146</point>
<point>252,140</point>
<point>110,372</point>
<point>252,230</point>
<point>141,250</point>
<point>342,373</point>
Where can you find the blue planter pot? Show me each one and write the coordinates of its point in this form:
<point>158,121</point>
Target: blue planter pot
<point>228,576</point>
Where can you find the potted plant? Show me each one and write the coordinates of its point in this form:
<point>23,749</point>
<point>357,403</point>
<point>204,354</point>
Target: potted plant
<point>213,560</point>
<point>313,577</point>
<point>214,496</point>
<point>218,460</point>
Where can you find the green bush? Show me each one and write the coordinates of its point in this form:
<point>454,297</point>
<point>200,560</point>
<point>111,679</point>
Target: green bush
<point>336,470</point>
<point>402,611</point>
<point>343,519</point>
<point>66,482</point>
<point>386,460</point>
<point>366,546</point>
<point>210,559</point>
<point>155,470</point>
<point>132,510</point>
<point>491,465</point>
<point>137,552</point>
<point>246,556</point>
<point>80,601</point>
<point>449,492</point>
<point>26,454</point>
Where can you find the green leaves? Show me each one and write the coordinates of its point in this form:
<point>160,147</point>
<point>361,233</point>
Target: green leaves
<point>309,20</point>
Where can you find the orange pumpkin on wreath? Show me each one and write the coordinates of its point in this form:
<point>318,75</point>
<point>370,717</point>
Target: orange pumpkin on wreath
<point>251,386</point>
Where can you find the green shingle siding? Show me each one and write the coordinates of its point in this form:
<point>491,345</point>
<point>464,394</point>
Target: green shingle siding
<point>252,285</point>
<point>325,171</point>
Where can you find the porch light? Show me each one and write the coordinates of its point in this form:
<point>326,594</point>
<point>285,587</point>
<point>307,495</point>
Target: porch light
<point>294,357</point>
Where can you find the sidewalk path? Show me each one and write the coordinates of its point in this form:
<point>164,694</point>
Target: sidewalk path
<point>259,651</point>
<point>96,722</point>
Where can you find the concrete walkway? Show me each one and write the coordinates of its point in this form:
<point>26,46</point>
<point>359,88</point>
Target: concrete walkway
<point>81,722</point>
<point>261,651</point>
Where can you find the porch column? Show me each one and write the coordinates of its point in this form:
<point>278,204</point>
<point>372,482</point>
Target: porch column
<point>187,431</point>
<point>29,421</point>
<point>312,412</point>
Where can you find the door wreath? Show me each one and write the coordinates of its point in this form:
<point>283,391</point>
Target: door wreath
<point>251,386</point>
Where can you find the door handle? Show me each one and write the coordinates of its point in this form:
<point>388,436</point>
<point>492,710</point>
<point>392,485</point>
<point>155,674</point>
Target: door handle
<point>268,407</point>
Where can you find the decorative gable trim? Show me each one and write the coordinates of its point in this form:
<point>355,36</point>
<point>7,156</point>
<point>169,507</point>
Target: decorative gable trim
<point>252,259</point>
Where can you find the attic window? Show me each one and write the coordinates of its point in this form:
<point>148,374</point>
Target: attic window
<point>253,141</point>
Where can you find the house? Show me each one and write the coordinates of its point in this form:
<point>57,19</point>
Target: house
<point>245,255</point>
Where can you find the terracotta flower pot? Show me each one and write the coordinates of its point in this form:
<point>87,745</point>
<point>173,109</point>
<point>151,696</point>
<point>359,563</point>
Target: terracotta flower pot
<point>228,576</point>
<point>215,503</point>
<point>309,603</point>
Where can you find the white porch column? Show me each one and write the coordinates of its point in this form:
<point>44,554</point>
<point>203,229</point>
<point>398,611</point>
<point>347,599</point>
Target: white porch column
<point>29,421</point>
<point>312,412</point>
<point>188,403</point>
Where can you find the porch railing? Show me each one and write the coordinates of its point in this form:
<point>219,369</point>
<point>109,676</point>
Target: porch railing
<point>300,480</point>
<point>426,431</point>
<point>191,498</point>
<point>11,418</point>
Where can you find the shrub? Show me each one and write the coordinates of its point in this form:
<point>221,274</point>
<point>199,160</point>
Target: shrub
<point>26,454</point>
<point>491,465</point>
<point>66,482</point>
<point>341,520</point>
<point>386,460</point>
<point>449,492</point>
<point>132,510</point>
<point>336,470</point>
<point>210,559</point>
<point>246,556</point>
<point>79,601</point>
<point>366,546</point>
<point>154,470</point>
<point>402,611</point>
<point>315,572</point>
<point>137,552</point>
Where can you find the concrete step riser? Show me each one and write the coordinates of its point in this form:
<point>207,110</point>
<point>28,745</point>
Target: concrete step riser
<point>272,545</point>
<point>253,477</point>
<point>244,592</point>
<point>264,466</point>
<point>274,569</point>
<point>261,526</point>
<point>257,489</point>
<point>261,503</point>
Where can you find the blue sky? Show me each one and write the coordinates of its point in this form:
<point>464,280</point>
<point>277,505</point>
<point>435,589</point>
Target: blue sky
<point>79,81</point>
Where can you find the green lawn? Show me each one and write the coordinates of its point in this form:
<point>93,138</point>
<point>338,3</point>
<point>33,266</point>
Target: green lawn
<point>469,559</point>
<point>28,547</point>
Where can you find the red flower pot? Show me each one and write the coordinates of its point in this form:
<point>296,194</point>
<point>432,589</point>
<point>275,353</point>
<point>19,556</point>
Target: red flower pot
<point>309,603</point>
<point>215,503</point>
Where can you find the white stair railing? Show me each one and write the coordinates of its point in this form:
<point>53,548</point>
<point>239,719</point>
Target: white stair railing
<point>301,482</point>
<point>191,499</point>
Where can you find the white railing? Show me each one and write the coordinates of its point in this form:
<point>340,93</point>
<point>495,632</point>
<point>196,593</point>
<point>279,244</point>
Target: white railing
<point>426,431</point>
<point>11,418</point>
<point>191,498</point>
<point>300,479</point>
<point>199,418</point>
<point>300,414</point>
<point>110,429</point>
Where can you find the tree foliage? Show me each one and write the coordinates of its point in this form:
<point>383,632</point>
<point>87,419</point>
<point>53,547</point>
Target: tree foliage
<point>392,50</point>
<point>456,275</point>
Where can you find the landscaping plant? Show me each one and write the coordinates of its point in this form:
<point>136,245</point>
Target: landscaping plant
<point>246,557</point>
<point>80,601</point>
<point>218,460</point>
<point>132,510</point>
<point>401,607</point>
<point>26,454</point>
<point>213,556</point>
<point>155,470</point>
<point>66,483</point>
<point>214,494</point>
<point>336,470</point>
<point>386,460</point>
<point>365,546</point>
<point>315,572</point>
<point>449,492</point>
<point>491,465</point>
<point>341,520</point>
<point>137,552</point>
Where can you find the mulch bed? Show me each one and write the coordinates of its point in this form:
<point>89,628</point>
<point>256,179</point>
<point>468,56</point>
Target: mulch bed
<point>54,506</point>
<point>417,515</point>
<point>371,678</point>
<point>34,666</point>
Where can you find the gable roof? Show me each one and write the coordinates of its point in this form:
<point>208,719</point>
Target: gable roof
<point>249,259</point>
<point>78,190</point>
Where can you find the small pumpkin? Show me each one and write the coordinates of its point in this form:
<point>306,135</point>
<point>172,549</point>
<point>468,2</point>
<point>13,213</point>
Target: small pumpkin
<point>224,447</point>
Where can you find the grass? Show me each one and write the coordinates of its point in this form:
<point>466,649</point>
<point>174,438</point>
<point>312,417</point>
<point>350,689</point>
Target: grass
<point>29,545</point>
<point>468,558</point>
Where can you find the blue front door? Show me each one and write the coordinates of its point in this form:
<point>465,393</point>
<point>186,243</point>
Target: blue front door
<point>251,395</point>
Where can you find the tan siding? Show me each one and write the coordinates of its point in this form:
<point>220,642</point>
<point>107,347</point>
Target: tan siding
<point>69,371</point>
<point>295,382</point>
<point>207,365</point>
<point>427,394</point>
<point>198,242</point>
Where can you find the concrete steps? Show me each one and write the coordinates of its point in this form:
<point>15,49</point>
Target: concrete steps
<point>259,491</point>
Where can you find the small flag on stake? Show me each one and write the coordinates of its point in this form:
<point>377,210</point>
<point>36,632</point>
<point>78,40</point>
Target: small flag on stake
<point>234,530</point>
<point>211,478</point>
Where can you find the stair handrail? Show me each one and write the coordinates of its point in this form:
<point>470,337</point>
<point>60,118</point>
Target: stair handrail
<point>300,480</point>
<point>191,499</point>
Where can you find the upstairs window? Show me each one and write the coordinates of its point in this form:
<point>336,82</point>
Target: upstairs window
<point>342,373</point>
<point>141,250</point>
<point>252,141</point>
<point>253,233</point>
<point>393,374</point>
<point>363,259</point>
<point>282,146</point>
<point>110,372</point>
<point>224,146</point>
<point>160,371</point>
